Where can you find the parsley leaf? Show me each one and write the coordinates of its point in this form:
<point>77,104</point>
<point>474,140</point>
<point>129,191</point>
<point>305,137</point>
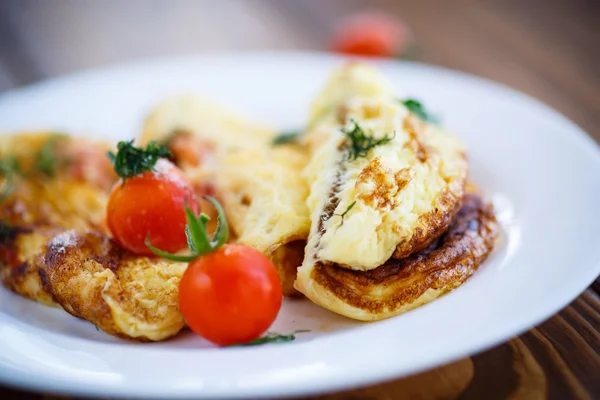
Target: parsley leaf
<point>272,337</point>
<point>46,161</point>
<point>419,110</point>
<point>361,142</point>
<point>130,161</point>
<point>286,137</point>
<point>8,233</point>
<point>342,215</point>
<point>9,167</point>
<point>95,321</point>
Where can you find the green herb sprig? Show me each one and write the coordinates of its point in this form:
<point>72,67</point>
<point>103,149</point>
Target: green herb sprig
<point>361,142</point>
<point>273,337</point>
<point>130,161</point>
<point>95,321</point>
<point>9,233</point>
<point>46,160</point>
<point>196,232</point>
<point>342,215</point>
<point>286,137</point>
<point>10,168</point>
<point>419,110</point>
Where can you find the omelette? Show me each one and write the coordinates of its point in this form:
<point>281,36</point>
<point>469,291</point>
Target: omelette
<point>352,80</point>
<point>54,247</point>
<point>399,286</point>
<point>367,213</point>
<point>383,183</point>
<point>386,187</point>
<point>258,184</point>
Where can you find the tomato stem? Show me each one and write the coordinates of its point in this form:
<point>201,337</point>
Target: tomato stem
<point>197,234</point>
<point>169,256</point>
<point>222,231</point>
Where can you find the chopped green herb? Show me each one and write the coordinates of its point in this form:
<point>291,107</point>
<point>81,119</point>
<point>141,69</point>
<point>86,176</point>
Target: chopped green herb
<point>342,215</point>
<point>6,232</point>
<point>46,161</point>
<point>95,322</point>
<point>272,337</point>
<point>418,109</point>
<point>286,137</point>
<point>9,167</point>
<point>9,233</point>
<point>131,161</point>
<point>361,142</point>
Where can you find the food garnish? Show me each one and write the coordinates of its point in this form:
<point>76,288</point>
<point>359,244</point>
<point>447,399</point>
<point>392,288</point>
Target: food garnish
<point>230,293</point>
<point>9,232</point>
<point>286,137</point>
<point>95,322</point>
<point>197,236</point>
<point>149,201</point>
<point>9,167</point>
<point>130,161</point>
<point>273,337</point>
<point>418,109</point>
<point>342,215</point>
<point>47,161</point>
<point>361,142</point>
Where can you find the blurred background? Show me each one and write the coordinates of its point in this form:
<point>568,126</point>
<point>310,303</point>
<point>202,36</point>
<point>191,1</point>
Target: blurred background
<point>547,48</point>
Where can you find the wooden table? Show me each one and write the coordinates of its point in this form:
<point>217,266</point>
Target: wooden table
<point>547,48</point>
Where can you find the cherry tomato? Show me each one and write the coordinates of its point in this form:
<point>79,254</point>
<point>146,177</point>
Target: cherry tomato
<point>151,204</point>
<point>231,295</point>
<point>370,34</point>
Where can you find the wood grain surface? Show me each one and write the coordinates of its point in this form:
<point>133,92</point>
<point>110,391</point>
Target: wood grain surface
<point>549,49</point>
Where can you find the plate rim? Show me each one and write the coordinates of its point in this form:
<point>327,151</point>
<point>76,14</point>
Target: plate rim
<point>583,141</point>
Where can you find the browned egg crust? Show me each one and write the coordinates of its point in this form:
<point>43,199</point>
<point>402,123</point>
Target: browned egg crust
<point>18,272</point>
<point>54,249</point>
<point>125,295</point>
<point>35,212</point>
<point>93,277</point>
<point>444,265</point>
<point>433,224</point>
<point>286,259</point>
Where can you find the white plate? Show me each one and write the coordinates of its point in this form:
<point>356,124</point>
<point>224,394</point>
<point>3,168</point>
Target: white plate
<point>542,172</point>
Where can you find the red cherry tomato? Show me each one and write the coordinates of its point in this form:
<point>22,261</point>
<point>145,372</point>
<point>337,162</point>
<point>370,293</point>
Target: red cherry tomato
<point>370,34</point>
<point>231,295</point>
<point>152,203</point>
